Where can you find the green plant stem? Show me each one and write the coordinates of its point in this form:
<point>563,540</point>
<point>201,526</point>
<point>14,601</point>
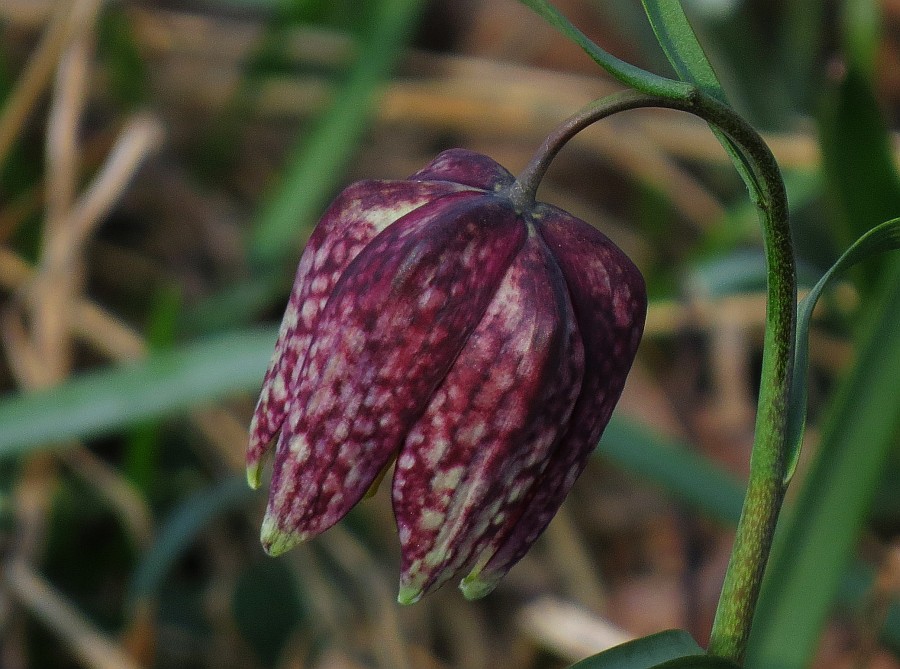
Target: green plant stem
<point>766,487</point>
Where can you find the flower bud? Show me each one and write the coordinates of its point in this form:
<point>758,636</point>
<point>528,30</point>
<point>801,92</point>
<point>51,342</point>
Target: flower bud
<point>480,342</point>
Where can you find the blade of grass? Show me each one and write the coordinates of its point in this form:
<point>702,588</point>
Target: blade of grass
<point>800,37</point>
<point>119,51</point>
<point>884,237</point>
<point>179,530</point>
<point>698,662</point>
<point>862,21</point>
<point>644,652</point>
<point>708,488</point>
<point>243,303</point>
<point>680,44</point>
<point>858,159</point>
<point>143,442</point>
<point>163,383</point>
<point>318,161</point>
<point>680,471</point>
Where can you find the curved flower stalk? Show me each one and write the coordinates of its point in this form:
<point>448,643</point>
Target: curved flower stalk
<point>479,338</point>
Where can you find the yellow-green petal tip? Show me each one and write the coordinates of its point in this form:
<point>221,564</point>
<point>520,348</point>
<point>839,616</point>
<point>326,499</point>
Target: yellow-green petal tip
<point>276,541</point>
<point>473,587</point>
<point>253,475</point>
<point>409,595</point>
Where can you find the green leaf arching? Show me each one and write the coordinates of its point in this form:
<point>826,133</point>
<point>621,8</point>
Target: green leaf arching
<point>884,237</point>
<point>645,652</point>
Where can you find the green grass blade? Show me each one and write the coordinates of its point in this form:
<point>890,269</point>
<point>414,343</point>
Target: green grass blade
<point>884,237</point>
<point>627,73</point>
<point>690,477</point>
<point>857,154</point>
<point>317,163</point>
<point>863,30</point>
<point>644,653</point>
<point>800,38</point>
<point>701,484</point>
<point>142,448</point>
<point>162,384</point>
<point>179,530</point>
<point>680,44</point>
<point>698,662</point>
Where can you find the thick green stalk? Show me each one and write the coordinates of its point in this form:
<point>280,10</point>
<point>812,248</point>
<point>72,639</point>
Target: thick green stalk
<point>768,462</point>
<point>766,487</point>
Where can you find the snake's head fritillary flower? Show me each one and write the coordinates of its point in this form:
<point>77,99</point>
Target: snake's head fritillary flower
<point>480,342</point>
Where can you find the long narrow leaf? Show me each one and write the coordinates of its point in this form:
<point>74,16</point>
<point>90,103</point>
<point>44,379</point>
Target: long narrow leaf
<point>110,399</point>
<point>691,64</point>
<point>681,472</point>
<point>698,662</point>
<point>319,160</point>
<point>884,237</point>
<point>858,159</point>
<point>627,73</point>
<point>180,529</point>
<point>644,653</point>
<point>680,44</point>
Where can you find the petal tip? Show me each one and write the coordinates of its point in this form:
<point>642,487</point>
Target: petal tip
<point>474,586</point>
<point>409,595</point>
<point>253,475</point>
<point>258,452</point>
<point>276,541</point>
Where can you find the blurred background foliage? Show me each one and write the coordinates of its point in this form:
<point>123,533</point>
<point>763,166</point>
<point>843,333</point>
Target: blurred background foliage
<point>161,164</point>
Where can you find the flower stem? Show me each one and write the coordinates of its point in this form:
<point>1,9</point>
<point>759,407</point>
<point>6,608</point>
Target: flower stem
<point>766,487</point>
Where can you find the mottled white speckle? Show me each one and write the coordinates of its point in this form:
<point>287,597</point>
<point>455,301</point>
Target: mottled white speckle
<point>432,299</point>
<point>321,399</point>
<point>308,312</point>
<point>352,477</point>
<point>431,520</point>
<point>312,370</point>
<point>435,557</point>
<point>516,492</point>
<point>339,253</point>
<point>355,340</point>
<point>449,479</point>
<point>300,447</point>
<point>365,425</point>
<point>406,461</point>
<point>437,450</point>
<point>321,257</point>
<point>471,433</point>
<point>279,391</point>
<point>342,430</point>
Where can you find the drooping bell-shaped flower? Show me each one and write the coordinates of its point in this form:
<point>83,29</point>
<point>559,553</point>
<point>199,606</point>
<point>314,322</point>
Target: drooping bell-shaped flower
<point>479,339</point>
